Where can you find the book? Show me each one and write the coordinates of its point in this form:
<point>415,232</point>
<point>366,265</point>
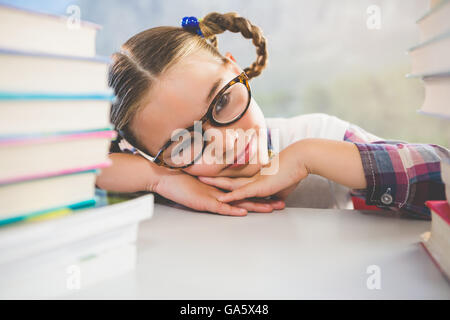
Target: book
<point>27,71</point>
<point>435,22</point>
<point>437,241</point>
<point>437,96</point>
<point>33,31</point>
<point>47,214</point>
<point>55,134</point>
<point>22,240</point>
<point>36,196</point>
<point>445,175</point>
<point>32,156</point>
<point>31,112</point>
<point>59,279</point>
<point>39,259</point>
<point>430,58</point>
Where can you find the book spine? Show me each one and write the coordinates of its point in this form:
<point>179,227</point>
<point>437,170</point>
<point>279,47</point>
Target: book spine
<point>34,215</point>
<point>51,174</point>
<point>14,52</point>
<point>56,137</point>
<point>10,95</point>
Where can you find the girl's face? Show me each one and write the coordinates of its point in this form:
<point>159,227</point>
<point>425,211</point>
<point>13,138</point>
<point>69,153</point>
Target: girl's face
<point>180,97</point>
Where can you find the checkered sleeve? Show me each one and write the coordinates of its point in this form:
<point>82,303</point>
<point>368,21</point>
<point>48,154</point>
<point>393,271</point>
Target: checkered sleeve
<point>400,176</point>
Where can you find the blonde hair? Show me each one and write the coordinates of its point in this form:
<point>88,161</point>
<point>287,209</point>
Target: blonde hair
<point>148,54</point>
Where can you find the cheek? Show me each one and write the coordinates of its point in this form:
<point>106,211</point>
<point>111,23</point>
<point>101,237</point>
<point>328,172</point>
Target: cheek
<point>254,116</point>
<point>203,169</point>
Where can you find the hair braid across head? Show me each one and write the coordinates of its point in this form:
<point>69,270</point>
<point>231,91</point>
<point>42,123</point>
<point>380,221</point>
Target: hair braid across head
<point>216,23</point>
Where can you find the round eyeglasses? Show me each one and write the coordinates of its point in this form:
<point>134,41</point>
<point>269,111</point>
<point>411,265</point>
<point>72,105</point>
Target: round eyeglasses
<point>186,146</point>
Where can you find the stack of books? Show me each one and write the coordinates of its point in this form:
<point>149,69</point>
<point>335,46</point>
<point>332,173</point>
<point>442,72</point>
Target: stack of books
<point>431,62</point>
<point>73,250</point>
<point>430,59</point>
<point>55,135</point>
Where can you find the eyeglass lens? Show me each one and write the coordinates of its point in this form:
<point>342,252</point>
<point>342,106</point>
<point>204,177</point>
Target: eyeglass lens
<point>187,146</point>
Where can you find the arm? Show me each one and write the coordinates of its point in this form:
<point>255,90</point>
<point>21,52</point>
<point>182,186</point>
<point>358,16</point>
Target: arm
<point>127,173</point>
<point>389,174</point>
<point>410,173</point>
<point>338,161</point>
<point>335,160</point>
<point>131,173</point>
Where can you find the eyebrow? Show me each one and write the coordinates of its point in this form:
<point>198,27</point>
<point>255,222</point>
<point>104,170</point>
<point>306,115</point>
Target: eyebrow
<point>213,89</point>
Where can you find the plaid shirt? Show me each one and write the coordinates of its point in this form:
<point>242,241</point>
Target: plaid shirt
<point>400,176</point>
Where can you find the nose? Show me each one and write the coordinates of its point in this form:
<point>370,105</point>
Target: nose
<point>230,134</point>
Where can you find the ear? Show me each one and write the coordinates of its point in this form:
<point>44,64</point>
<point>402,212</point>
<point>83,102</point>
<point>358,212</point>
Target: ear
<point>236,68</point>
<point>230,56</point>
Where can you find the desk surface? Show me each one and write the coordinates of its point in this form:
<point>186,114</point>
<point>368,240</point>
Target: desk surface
<point>296,253</point>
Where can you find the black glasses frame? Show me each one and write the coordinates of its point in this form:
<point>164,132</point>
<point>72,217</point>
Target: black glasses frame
<point>242,78</point>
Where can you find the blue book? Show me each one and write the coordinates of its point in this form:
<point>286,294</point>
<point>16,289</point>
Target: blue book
<point>31,198</point>
<point>26,113</point>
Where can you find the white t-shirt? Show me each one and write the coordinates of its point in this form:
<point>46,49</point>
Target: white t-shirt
<point>314,191</point>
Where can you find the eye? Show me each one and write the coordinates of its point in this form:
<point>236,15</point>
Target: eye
<point>223,102</point>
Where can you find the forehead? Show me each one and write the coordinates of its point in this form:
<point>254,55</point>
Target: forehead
<point>189,79</point>
<point>178,98</point>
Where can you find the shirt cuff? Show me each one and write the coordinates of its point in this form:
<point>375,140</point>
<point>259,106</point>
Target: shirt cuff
<point>386,177</point>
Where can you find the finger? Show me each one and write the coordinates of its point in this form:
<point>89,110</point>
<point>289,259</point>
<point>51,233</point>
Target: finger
<point>279,205</point>
<point>253,206</point>
<point>226,209</point>
<point>250,190</point>
<point>276,204</point>
<point>225,182</point>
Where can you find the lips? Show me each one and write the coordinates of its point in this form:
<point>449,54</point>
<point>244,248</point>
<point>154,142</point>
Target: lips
<point>244,157</point>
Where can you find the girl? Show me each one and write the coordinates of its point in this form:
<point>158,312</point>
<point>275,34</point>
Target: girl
<point>167,79</point>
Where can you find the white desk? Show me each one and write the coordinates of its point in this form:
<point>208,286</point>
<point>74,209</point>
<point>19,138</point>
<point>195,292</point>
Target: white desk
<point>296,253</point>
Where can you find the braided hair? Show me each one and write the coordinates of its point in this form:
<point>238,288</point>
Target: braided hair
<point>215,23</point>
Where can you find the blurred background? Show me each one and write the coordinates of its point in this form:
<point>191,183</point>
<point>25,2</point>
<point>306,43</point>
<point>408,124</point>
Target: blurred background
<point>323,56</point>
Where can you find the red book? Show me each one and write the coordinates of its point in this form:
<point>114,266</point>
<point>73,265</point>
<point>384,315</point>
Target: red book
<point>360,204</point>
<point>437,241</point>
<point>440,208</point>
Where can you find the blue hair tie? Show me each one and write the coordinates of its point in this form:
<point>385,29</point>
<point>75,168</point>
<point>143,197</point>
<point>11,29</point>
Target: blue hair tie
<point>191,24</point>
